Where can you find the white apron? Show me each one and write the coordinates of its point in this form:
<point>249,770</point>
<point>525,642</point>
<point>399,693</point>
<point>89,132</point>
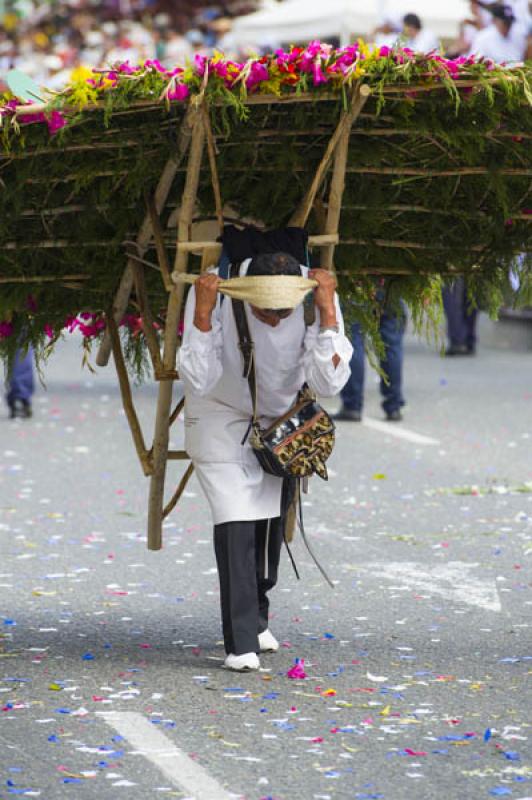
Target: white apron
<point>216,420</point>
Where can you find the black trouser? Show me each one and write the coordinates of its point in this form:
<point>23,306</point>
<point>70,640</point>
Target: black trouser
<point>247,555</point>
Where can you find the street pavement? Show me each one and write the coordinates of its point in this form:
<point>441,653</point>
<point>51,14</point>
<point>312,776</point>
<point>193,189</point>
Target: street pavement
<point>418,664</point>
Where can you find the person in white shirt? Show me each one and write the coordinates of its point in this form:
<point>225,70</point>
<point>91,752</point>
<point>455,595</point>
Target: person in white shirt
<point>388,32</point>
<point>416,37</point>
<point>501,41</point>
<point>246,502</point>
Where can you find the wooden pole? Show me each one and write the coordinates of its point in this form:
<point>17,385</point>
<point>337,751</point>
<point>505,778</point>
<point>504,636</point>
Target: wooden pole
<point>162,420</point>
<point>127,399</point>
<point>158,237</point>
<point>147,318</point>
<point>177,411</point>
<point>360,95</point>
<point>211,149</point>
<point>179,491</point>
<point>336,190</point>
<point>44,278</point>
<point>143,239</point>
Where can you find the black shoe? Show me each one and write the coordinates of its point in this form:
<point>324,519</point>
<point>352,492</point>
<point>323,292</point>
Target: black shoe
<point>348,415</point>
<point>394,416</point>
<point>458,350</point>
<point>12,410</point>
<point>26,409</point>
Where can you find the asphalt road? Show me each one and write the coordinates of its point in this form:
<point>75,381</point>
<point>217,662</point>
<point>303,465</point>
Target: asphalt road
<point>418,664</point>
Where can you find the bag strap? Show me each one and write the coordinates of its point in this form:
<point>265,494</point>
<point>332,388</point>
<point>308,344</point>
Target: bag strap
<point>247,348</point>
<point>248,353</point>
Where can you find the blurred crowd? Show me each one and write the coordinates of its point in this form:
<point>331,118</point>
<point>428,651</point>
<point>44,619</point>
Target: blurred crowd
<point>50,41</point>
<point>501,31</point>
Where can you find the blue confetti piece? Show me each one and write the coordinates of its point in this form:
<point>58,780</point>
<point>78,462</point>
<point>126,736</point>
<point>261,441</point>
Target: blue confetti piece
<point>53,738</point>
<point>9,621</point>
<point>87,657</point>
<point>117,738</point>
<point>366,796</point>
<point>487,734</point>
<point>500,790</point>
<point>284,726</point>
<point>511,756</point>
<point>63,711</point>
<point>328,636</point>
<point>71,780</point>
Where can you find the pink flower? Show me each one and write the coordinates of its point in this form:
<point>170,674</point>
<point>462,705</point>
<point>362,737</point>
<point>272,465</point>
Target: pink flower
<point>49,331</point>
<point>385,51</point>
<point>55,122</point>
<point>200,62</point>
<point>317,74</point>
<point>6,329</point>
<point>125,68</point>
<point>257,74</point>
<point>153,63</point>
<point>297,672</point>
<point>179,91</point>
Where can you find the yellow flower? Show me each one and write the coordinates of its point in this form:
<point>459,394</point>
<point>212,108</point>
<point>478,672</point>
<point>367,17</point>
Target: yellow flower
<point>363,48</point>
<point>80,74</point>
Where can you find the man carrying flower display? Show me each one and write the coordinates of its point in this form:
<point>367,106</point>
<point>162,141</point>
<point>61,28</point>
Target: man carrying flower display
<point>247,503</point>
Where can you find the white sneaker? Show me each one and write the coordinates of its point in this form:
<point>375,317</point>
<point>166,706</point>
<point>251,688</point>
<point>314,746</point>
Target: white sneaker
<point>267,642</point>
<point>244,663</point>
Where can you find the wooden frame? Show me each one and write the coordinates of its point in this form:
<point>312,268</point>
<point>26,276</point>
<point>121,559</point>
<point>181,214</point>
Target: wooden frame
<point>196,138</point>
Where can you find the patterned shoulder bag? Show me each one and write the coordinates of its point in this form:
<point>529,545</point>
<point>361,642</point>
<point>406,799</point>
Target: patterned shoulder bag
<point>297,444</point>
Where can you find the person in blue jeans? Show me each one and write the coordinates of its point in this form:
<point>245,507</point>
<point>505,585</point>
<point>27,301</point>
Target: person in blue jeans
<point>461,319</point>
<point>392,327</point>
<point>20,385</point>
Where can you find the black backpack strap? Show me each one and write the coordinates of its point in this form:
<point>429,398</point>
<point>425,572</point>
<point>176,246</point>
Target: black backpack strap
<point>247,348</point>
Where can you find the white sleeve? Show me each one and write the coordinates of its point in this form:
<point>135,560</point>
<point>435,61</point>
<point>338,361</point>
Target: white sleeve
<point>320,373</point>
<point>200,356</point>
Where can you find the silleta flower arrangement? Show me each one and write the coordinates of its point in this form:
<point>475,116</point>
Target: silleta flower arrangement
<point>437,178</point>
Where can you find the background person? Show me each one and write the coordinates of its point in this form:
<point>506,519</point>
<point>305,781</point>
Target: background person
<point>503,40</point>
<point>416,37</point>
<point>20,385</point>
<point>461,319</point>
<point>391,328</point>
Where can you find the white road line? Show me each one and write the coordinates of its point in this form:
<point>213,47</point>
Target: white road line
<point>400,432</point>
<point>151,743</point>
<point>453,581</point>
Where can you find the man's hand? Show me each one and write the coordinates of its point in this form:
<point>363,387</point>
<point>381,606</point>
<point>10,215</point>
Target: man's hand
<point>206,288</point>
<point>324,296</point>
